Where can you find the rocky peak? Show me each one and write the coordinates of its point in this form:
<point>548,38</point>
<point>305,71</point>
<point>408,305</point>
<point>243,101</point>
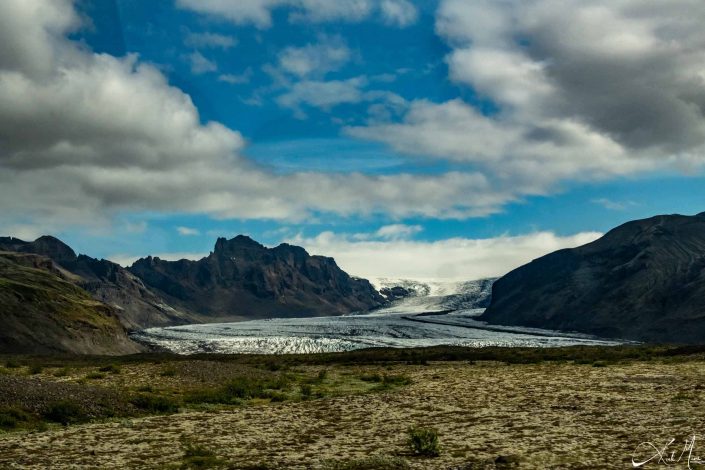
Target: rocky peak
<point>235,246</point>
<point>46,245</point>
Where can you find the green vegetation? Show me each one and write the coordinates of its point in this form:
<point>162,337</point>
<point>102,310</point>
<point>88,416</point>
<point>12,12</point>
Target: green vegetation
<point>386,382</point>
<point>168,372</point>
<point>369,463</point>
<point>239,389</point>
<point>197,456</point>
<point>77,389</point>
<point>61,372</point>
<point>65,412</point>
<point>111,369</point>
<point>95,376</point>
<point>424,442</point>
<point>13,418</point>
<point>155,404</point>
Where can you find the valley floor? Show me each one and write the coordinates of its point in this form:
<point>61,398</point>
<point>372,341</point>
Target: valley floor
<point>488,413</point>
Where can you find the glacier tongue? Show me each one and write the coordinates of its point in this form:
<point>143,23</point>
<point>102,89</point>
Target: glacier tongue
<point>424,313</point>
<point>435,296</point>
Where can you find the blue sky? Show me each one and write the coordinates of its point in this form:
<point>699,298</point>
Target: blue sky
<point>322,123</point>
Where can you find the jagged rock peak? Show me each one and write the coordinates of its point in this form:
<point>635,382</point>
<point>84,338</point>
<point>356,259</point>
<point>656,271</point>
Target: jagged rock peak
<point>225,246</point>
<point>285,247</point>
<point>48,246</point>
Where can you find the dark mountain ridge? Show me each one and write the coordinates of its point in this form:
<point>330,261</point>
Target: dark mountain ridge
<point>644,280</point>
<point>106,281</point>
<point>245,279</point>
<point>241,279</point>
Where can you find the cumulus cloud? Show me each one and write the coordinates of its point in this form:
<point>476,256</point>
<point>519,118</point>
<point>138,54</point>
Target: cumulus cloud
<point>259,12</point>
<point>630,70</point>
<point>328,55</point>
<point>399,12</point>
<point>455,259</point>
<point>86,136</point>
<point>324,94</point>
<point>583,90</point>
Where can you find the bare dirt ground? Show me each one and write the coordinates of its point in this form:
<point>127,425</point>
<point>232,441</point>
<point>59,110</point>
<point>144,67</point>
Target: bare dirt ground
<point>488,415</point>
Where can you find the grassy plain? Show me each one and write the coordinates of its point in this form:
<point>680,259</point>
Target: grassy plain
<point>582,407</point>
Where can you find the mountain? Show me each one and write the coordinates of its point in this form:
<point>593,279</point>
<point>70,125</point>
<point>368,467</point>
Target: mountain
<point>242,279</point>
<point>106,281</point>
<point>43,311</point>
<point>644,280</point>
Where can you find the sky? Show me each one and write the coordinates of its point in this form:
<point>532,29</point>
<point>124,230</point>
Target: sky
<point>429,139</point>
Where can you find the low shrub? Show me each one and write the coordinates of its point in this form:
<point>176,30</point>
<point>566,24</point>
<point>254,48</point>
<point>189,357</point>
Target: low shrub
<point>95,376</point>
<point>369,463</point>
<point>388,382</point>
<point>306,391</point>
<point>155,404</point>
<point>12,418</point>
<point>35,369</point>
<point>197,456</point>
<point>376,377</point>
<point>242,388</point>
<point>65,412</point>
<point>424,441</point>
<point>111,368</point>
<point>63,372</point>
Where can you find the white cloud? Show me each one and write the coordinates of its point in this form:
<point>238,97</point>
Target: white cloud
<point>319,11</point>
<point>614,205</point>
<point>209,40</point>
<point>324,94</point>
<point>328,55</point>
<point>232,79</point>
<point>396,231</point>
<point>127,142</point>
<point>187,231</point>
<point>259,12</point>
<point>578,60</point>
<point>584,91</point>
<point>399,12</point>
<point>452,259</point>
<point>201,65</point>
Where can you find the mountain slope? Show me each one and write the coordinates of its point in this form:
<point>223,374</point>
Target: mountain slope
<point>644,280</point>
<point>243,279</point>
<point>108,282</point>
<point>42,311</point>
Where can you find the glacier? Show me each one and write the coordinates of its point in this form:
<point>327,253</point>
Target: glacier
<point>434,313</point>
